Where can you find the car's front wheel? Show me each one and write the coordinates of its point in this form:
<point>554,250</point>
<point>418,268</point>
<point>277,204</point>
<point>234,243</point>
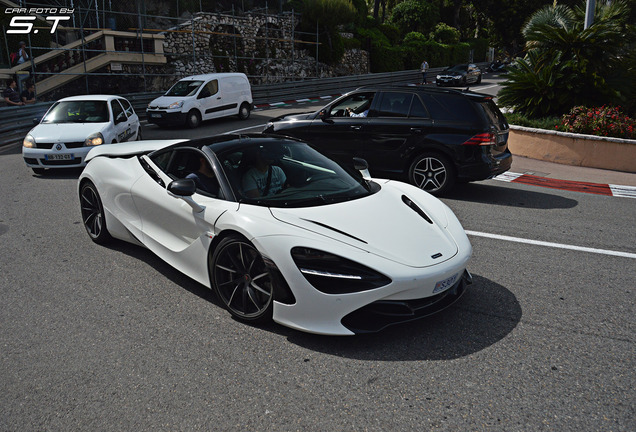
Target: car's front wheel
<point>93,214</point>
<point>193,119</point>
<point>432,172</point>
<point>241,279</point>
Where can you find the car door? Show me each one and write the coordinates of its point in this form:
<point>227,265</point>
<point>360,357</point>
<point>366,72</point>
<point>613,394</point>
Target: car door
<point>338,134</point>
<point>132,122</point>
<point>120,123</point>
<point>210,100</point>
<point>171,227</point>
<point>401,122</point>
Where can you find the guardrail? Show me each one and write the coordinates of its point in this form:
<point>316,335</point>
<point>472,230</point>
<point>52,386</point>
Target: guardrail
<point>17,121</point>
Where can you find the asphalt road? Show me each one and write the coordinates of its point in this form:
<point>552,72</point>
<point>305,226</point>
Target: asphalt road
<point>111,338</point>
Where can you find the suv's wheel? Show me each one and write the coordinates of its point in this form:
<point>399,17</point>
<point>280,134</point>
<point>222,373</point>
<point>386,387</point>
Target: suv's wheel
<point>432,172</point>
<point>241,280</point>
<point>193,119</point>
<point>93,214</point>
<point>244,111</point>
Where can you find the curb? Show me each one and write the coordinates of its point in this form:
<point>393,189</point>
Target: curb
<point>569,185</point>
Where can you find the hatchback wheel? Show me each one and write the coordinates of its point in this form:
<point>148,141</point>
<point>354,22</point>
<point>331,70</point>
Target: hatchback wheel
<point>93,214</point>
<point>432,172</point>
<point>241,280</point>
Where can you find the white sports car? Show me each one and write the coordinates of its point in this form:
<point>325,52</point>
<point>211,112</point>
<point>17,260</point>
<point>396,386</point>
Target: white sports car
<point>280,231</point>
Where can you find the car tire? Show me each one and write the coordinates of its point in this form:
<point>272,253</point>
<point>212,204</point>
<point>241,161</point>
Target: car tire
<point>93,214</point>
<point>433,173</point>
<point>244,111</point>
<point>39,171</point>
<point>139,137</point>
<point>241,280</point>
<point>193,119</point>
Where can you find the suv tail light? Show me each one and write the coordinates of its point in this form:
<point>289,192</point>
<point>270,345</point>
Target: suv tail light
<point>482,139</point>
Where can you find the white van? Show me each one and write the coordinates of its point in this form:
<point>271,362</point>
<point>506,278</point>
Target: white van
<point>202,97</point>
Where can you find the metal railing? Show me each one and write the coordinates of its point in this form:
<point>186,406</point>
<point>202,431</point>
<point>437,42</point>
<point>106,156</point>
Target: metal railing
<point>17,121</point>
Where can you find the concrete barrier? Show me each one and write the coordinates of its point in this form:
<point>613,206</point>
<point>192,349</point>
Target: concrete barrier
<point>573,149</point>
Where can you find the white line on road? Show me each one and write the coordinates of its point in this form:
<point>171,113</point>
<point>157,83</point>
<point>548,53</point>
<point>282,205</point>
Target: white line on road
<point>554,245</point>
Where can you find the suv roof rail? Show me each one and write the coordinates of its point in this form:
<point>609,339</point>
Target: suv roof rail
<point>401,86</point>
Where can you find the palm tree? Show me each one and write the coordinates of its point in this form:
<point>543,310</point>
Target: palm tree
<point>591,61</point>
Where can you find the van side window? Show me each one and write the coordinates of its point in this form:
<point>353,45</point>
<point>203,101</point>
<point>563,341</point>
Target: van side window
<point>210,89</point>
<point>395,104</point>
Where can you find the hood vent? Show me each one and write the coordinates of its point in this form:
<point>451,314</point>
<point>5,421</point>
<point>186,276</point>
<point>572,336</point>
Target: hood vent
<point>415,208</point>
<point>336,230</point>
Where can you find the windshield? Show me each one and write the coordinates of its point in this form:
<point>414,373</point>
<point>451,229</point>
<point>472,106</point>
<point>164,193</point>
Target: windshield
<point>289,174</point>
<point>184,88</point>
<point>458,68</point>
<point>78,112</point>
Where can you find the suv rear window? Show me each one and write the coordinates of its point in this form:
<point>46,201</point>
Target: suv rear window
<point>448,107</point>
<point>493,114</point>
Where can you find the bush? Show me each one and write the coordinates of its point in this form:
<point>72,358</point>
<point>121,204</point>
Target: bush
<point>443,33</point>
<point>518,119</point>
<point>604,121</point>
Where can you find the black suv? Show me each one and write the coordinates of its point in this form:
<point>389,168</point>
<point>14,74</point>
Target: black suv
<point>429,137</point>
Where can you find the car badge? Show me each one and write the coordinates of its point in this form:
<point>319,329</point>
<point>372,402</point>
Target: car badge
<point>437,255</point>
<point>59,146</point>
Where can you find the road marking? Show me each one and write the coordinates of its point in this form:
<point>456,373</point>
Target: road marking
<point>487,87</point>
<point>244,129</point>
<point>553,245</point>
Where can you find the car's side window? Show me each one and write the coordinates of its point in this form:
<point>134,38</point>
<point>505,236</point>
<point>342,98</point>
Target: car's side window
<point>356,105</point>
<point>449,107</point>
<point>162,160</point>
<point>118,111</point>
<point>395,104</point>
<point>210,89</point>
<point>127,107</point>
<point>193,164</point>
<point>417,108</point>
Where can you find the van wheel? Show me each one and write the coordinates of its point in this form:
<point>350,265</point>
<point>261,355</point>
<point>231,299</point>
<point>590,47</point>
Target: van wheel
<point>244,111</point>
<point>432,172</point>
<point>193,120</point>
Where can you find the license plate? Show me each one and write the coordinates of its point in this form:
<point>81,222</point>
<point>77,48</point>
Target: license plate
<point>155,115</point>
<point>445,284</point>
<point>59,157</point>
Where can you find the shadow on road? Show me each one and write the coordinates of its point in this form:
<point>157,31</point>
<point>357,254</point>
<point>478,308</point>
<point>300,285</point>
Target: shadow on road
<point>502,194</point>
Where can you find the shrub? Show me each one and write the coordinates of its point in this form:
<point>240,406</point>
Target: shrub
<point>604,121</point>
<point>443,33</point>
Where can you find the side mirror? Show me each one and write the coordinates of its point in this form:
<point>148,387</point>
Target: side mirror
<point>324,116</point>
<point>362,166</point>
<point>184,189</point>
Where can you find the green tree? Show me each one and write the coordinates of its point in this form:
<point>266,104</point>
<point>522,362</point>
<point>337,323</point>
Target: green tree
<point>592,67</point>
<point>415,15</point>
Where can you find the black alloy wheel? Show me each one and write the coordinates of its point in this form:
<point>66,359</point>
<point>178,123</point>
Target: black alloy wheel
<point>432,172</point>
<point>193,119</point>
<point>241,280</point>
<point>244,111</point>
<point>93,214</point>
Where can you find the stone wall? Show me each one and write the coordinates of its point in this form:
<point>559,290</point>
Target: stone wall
<point>258,45</point>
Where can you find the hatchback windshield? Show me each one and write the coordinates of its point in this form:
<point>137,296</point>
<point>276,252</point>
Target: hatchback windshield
<point>184,88</point>
<point>78,112</point>
<point>290,174</point>
<point>458,68</point>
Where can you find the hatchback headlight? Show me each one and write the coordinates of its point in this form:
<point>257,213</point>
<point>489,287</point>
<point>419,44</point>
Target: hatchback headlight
<point>332,274</point>
<point>94,140</point>
<point>28,142</point>
<point>175,105</point>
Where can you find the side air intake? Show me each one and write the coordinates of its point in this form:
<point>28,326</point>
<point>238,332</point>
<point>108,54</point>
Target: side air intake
<point>416,209</point>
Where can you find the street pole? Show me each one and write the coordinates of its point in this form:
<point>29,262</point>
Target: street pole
<point>589,13</point>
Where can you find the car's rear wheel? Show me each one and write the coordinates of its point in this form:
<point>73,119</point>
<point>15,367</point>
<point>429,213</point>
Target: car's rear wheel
<point>244,111</point>
<point>241,279</point>
<point>39,171</point>
<point>93,214</point>
<point>432,172</point>
<point>193,119</point>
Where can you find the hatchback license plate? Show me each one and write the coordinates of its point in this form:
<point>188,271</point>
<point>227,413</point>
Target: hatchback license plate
<point>155,115</point>
<point>59,157</point>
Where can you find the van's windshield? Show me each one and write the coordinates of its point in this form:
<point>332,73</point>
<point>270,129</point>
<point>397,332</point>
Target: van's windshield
<point>184,88</point>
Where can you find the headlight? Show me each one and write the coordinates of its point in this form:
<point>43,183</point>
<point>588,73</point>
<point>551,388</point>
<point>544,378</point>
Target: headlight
<point>94,140</point>
<point>332,274</point>
<point>28,142</point>
<point>438,77</point>
<point>175,105</point>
